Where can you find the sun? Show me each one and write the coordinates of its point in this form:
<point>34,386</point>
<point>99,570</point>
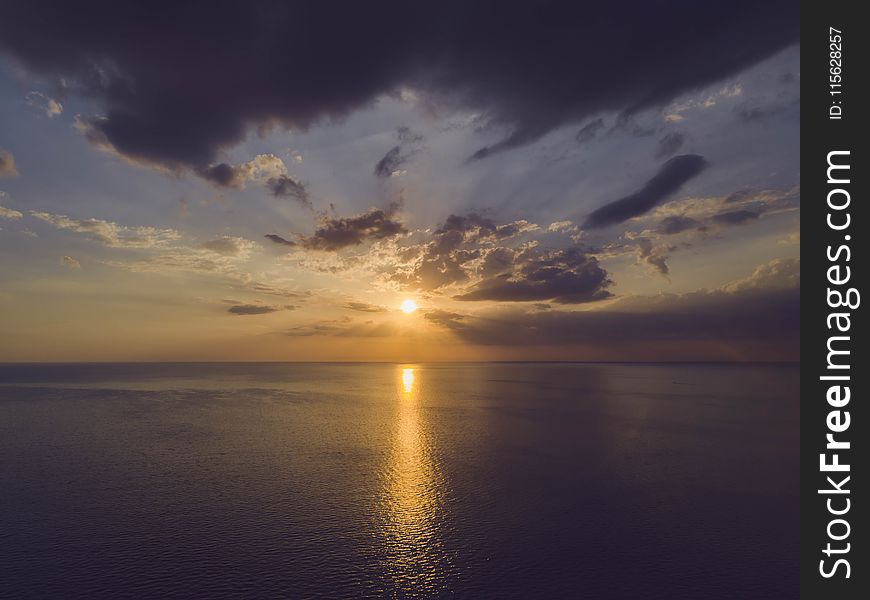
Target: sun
<point>408,306</point>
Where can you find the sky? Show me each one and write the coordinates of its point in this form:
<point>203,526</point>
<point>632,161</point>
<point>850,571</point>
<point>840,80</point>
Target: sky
<point>272,180</point>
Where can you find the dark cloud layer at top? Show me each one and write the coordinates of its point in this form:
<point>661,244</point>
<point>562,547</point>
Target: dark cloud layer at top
<point>668,180</point>
<point>181,82</point>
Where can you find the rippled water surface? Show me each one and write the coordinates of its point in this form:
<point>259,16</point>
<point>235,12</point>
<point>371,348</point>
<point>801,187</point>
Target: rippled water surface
<point>527,481</point>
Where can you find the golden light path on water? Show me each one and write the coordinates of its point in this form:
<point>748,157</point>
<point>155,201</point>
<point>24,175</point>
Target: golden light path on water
<point>412,497</point>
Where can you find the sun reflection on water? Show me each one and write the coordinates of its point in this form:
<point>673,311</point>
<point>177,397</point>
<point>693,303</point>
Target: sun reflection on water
<point>415,558</point>
<point>408,380</point>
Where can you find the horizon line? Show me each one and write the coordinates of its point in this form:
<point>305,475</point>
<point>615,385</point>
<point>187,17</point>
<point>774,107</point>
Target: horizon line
<point>400,362</point>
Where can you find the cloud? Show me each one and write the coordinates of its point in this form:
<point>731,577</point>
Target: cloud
<point>208,83</point>
<point>739,320</point>
<point>111,234</point>
<point>672,175</point>
<point>562,226</point>
<point>654,256</point>
<point>69,262</point>
<point>7,164</point>
<point>590,130</point>
<point>345,327</point>
<point>778,274</point>
<point>277,239</point>
<point>229,246</point>
<point>738,208</point>
<point>753,113</point>
<point>335,233</point>
<point>364,307</point>
<point>285,186</point>
<point>563,276</point>
<point>264,288</point>
<point>9,213</point>
<point>669,144</point>
<point>739,196</point>
<point>45,104</point>
<point>681,224</point>
<point>253,309</point>
<point>160,250</point>
<point>261,169</point>
<point>735,217</point>
<point>677,224</point>
<point>393,161</point>
<point>464,245</point>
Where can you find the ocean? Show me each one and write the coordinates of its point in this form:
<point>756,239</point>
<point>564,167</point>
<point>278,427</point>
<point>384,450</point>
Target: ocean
<point>486,480</point>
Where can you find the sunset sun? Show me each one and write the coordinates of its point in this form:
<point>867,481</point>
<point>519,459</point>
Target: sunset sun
<point>408,306</point>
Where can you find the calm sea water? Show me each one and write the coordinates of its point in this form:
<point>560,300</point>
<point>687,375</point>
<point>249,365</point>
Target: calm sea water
<point>529,481</point>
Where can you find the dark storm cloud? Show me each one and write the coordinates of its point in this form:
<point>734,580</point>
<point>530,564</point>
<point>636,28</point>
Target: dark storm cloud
<point>669,144</point>
<point>180,82</point>
<point>566,276</point>
<point>335,233</point>
<point>672,175</point>
<point>284,186</point>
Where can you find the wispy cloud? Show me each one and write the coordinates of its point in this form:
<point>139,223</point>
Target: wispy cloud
<point>255,309</point>
<point>111,234</point>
